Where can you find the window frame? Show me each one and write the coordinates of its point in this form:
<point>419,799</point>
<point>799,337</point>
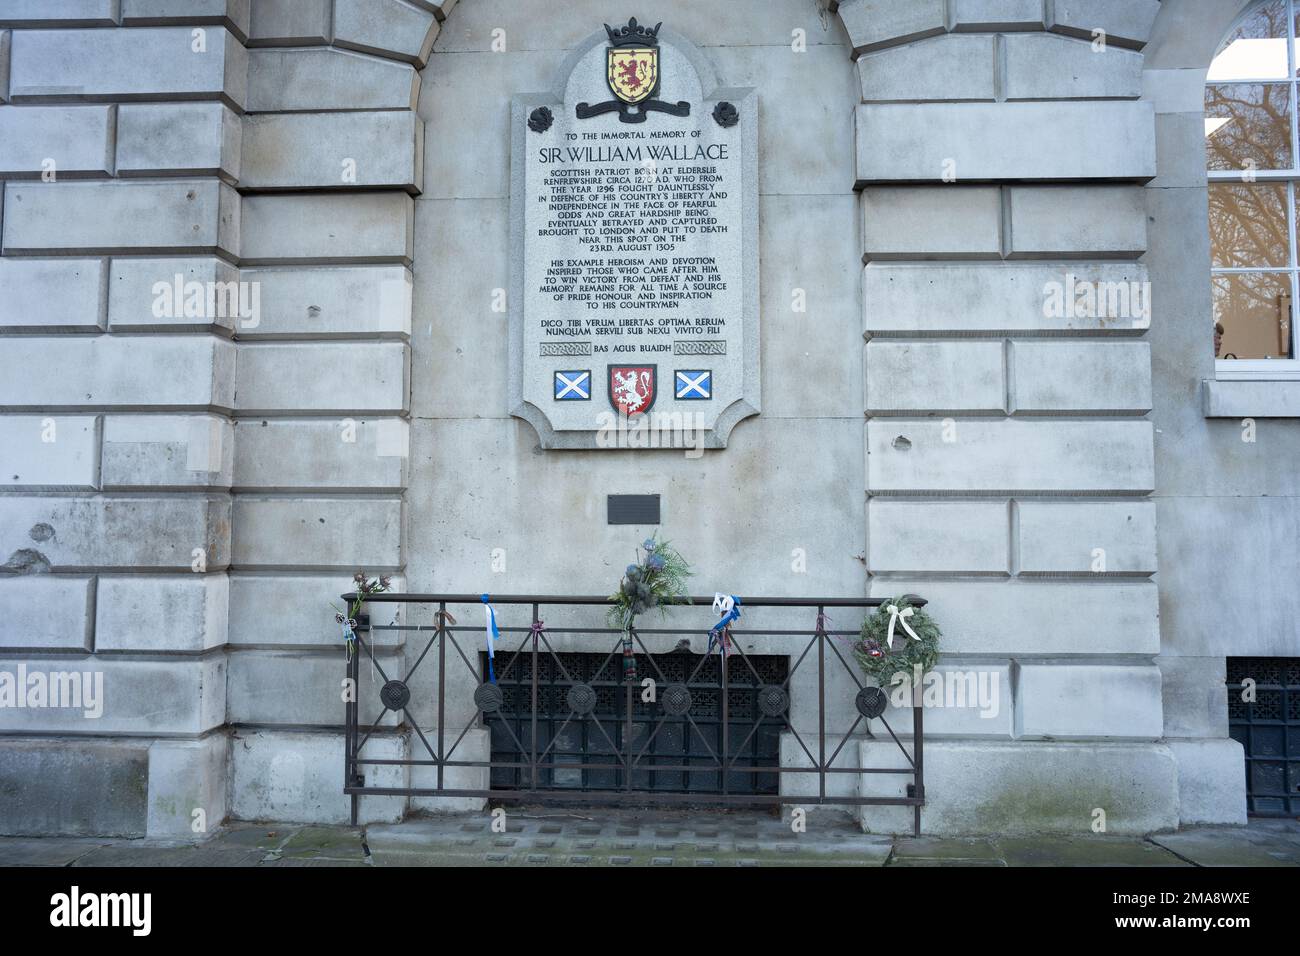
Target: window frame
<point>1280,369</point>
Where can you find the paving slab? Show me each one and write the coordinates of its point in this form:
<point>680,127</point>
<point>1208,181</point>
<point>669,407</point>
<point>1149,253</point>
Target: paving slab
<point>138,854</point>
<point>945,851</point>
<point>1235,846</point>
<point>43,851</point>
<point>1095,850</point>
<point>625,838</point>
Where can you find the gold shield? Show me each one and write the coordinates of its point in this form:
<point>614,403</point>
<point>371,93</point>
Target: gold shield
<point>633,72</point>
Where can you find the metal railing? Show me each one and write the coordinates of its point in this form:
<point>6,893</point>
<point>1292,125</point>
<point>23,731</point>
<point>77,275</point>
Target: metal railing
<point>546,690</point>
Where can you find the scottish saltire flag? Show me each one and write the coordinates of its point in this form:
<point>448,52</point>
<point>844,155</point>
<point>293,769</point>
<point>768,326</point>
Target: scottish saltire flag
<point>573,386</point>
<point>693,384</point>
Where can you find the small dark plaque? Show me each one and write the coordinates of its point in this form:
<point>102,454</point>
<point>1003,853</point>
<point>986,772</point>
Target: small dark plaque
<point>633,509</point>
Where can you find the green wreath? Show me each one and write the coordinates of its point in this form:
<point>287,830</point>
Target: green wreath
<point>879,661</point>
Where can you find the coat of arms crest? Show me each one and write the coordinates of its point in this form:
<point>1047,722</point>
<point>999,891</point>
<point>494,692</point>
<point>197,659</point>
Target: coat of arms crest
<point>632,72</point>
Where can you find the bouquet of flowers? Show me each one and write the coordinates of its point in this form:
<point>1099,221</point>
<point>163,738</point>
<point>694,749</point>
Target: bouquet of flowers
<point>365,587</point>
<point>657,579</point>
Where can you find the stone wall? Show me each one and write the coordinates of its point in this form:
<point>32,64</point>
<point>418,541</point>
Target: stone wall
<point>198,484</point>
<point>926,425</point>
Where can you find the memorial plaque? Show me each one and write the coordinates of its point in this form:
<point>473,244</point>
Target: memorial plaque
<point>634,217</point>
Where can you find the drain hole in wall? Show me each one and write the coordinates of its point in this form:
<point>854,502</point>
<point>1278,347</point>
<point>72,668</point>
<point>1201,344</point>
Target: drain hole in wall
<point>901,443</point>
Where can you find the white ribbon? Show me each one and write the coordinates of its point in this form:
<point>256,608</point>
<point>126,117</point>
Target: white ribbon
<point>899,617</point>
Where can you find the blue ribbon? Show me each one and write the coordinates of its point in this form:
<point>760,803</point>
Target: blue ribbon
<point>493,635</point>
<point>716,632</point>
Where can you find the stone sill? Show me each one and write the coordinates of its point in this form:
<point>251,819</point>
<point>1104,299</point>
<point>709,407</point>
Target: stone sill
<point>1250,399</point>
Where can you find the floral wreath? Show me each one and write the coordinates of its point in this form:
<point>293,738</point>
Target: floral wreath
<point>898,636</point>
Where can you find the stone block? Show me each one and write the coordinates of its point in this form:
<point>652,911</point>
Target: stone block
<point>1028,617</point>
<point>103,218</point>
<point>47,612</point>
<point>52,295</point>
<point>1194,695</point>
<point>186,776</point>
<point>286,81</point>
<point>117,373</point>
<point>1125,22</point>
<point>135,534</point>
<point>351,150</point>
<point>367,227</point>
<point>74,787</point>
<point>233,14</point>
<point>372,302</point>
<point>872,24</point>
<point>1247,399</point>
<point>1211,785</point>
<point>1062,377</point>
<point>1088,700</point>
<point>931,222</point>
<point>468,345</point>
<point>796,110</point>
<point>911,456</point>
<point>156,614</point>
<point>107,695</point>
<point>290,23</point>
<point>389,28</point>
<point>950,67</point>
<point>1216,552</point>
<point>283,378</point>
<point>958,699</point>
<point>142,63</point>
<point>1100,221</point>
<point>256,690</point>
<point>313,454</point>
<point>67,142</point>
<point>1062,537</point>
<point>919,298</point>
<point>501,504</point>
<point>161,295</point>
<point>298,611</point>
<point>481,84</point>
<point>997,15</point>
<point>58,13</point>
<point>908,377</point>
<point>180,452</point>
<point>1042,66</point>
<point>966,142</point>
<point>912,537</point>
<point>815,334</point>
<point>283,775</point>
<point>1023,788</point>
<point>317,533</point>
<point>49,453</point>
<point>178,139</point>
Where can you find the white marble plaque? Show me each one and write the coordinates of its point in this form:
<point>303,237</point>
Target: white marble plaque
<point>634,300</point>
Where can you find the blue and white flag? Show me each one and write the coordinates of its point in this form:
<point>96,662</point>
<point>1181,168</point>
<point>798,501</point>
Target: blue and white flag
<point>692,384</point>
<point>573,385</point>
<point>492,635</point>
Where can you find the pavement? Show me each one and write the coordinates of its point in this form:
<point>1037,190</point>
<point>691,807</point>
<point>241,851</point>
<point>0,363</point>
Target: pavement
<point>613,838</point>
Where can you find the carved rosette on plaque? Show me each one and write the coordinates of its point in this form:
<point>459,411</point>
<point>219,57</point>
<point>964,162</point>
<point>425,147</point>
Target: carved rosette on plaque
<point>634,217</point>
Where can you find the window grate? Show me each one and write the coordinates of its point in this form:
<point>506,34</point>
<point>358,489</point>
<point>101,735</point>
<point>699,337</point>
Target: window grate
<point>679,743</point>
<point>1268,728</point>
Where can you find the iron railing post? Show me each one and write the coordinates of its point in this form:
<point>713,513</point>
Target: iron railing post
<point>532,757</point>
<point>918,749</point>
<point>821,704</point>
<point>442,692</point>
